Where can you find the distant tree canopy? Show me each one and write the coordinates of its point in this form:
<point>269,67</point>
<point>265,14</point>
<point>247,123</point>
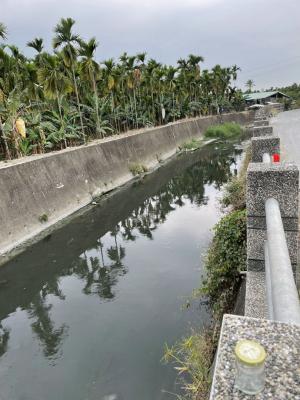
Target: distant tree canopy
<point>249,84</point>
<point>66,97</point>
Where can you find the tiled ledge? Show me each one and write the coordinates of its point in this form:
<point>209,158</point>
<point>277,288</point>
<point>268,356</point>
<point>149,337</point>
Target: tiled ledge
<point>282,344</point>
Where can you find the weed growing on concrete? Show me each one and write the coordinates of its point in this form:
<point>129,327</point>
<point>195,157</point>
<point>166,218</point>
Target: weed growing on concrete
<point>43,218</point>
<point>137,169</point>
<point>194,144</point>
<point>159,158</point>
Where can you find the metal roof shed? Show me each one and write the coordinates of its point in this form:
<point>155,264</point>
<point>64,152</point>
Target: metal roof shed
<point>264,97</point>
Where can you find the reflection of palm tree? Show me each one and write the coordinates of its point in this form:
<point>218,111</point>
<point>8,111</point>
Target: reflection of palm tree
<point>100,279</point>
<point>128,227</point>
<point>52,287</point>
<point>4,337</point>
<point>116,254</point>
<point>114,232</point>
<point>100,246</point>
<point>49,337</point>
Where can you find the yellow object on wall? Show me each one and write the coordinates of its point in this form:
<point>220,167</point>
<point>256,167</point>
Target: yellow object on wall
<point>20,125</point>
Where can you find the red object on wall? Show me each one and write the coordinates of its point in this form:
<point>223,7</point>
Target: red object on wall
<point>276,157</point>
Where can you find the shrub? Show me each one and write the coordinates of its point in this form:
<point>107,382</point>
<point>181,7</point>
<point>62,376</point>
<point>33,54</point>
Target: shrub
<point>224,131</point>
<point>234,194</point>
<point>137,169</point>
<point>225,259</point>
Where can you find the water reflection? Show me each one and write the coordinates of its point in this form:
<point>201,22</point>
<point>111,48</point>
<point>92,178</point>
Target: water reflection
<point>50,337</point>
<point>98,277</point>
<point>93,247</point>
<point>4,336</point>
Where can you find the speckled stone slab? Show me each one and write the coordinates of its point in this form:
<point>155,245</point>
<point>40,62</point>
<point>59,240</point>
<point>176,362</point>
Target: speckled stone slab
<point>264,144</point>
<point>262,131</point>
<point>257,237</point>
<point>282,344</point>
<point>256,296</point>
<point>262,118</point>
<point>259,222</point>
<point>261,122</point>
<point>280,180</point>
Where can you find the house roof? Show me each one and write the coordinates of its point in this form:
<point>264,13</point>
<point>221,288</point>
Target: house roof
<point>262,95</point>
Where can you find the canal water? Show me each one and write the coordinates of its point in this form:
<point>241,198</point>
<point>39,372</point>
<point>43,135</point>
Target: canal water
<point>86,312</point>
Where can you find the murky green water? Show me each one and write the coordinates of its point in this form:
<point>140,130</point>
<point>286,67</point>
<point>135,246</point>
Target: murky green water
<point>86,312</point>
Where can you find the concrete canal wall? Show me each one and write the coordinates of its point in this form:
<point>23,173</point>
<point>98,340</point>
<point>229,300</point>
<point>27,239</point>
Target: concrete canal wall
<point>39,191</point>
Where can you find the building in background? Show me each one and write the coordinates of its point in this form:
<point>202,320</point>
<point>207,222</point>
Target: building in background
<point>264,97</point>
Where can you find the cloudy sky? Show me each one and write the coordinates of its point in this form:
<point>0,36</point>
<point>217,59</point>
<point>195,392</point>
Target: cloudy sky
<point>261,36</point>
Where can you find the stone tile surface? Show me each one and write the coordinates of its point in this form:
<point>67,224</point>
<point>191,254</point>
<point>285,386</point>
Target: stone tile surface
<point>262,122</point>
<point>259,222</point>
<point>257,237</point>
<point>262,131</point>
<point>255,265</point>
<point>264,144</point>
<point>256,296</point>
<point>282,344</point>
<point>280,181</point>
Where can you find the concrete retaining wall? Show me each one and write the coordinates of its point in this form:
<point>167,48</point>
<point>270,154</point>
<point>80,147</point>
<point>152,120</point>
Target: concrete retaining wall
<point>57,184</point>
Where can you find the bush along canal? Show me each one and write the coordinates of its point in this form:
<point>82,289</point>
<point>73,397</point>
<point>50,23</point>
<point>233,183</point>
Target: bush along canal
<point>86,312</point>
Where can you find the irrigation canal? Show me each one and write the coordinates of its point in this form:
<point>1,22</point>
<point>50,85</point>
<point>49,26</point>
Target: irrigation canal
<point>85,313</point>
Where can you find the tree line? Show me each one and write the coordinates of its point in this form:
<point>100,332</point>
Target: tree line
<point>64,98</point>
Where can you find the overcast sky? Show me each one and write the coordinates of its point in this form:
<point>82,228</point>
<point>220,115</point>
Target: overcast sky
<point>261,36</point>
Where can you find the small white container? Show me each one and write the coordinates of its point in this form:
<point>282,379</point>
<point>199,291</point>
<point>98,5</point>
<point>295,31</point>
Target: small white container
<point>250,366</point>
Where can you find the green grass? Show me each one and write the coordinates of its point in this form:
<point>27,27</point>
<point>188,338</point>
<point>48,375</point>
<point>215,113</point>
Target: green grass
<point>224,131</point>
<point>192,357</point>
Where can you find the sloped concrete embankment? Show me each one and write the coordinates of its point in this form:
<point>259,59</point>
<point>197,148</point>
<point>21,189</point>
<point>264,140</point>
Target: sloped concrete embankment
<point>58,184</point>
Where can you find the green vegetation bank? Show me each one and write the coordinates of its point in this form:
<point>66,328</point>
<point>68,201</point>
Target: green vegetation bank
<point>65,97</point>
